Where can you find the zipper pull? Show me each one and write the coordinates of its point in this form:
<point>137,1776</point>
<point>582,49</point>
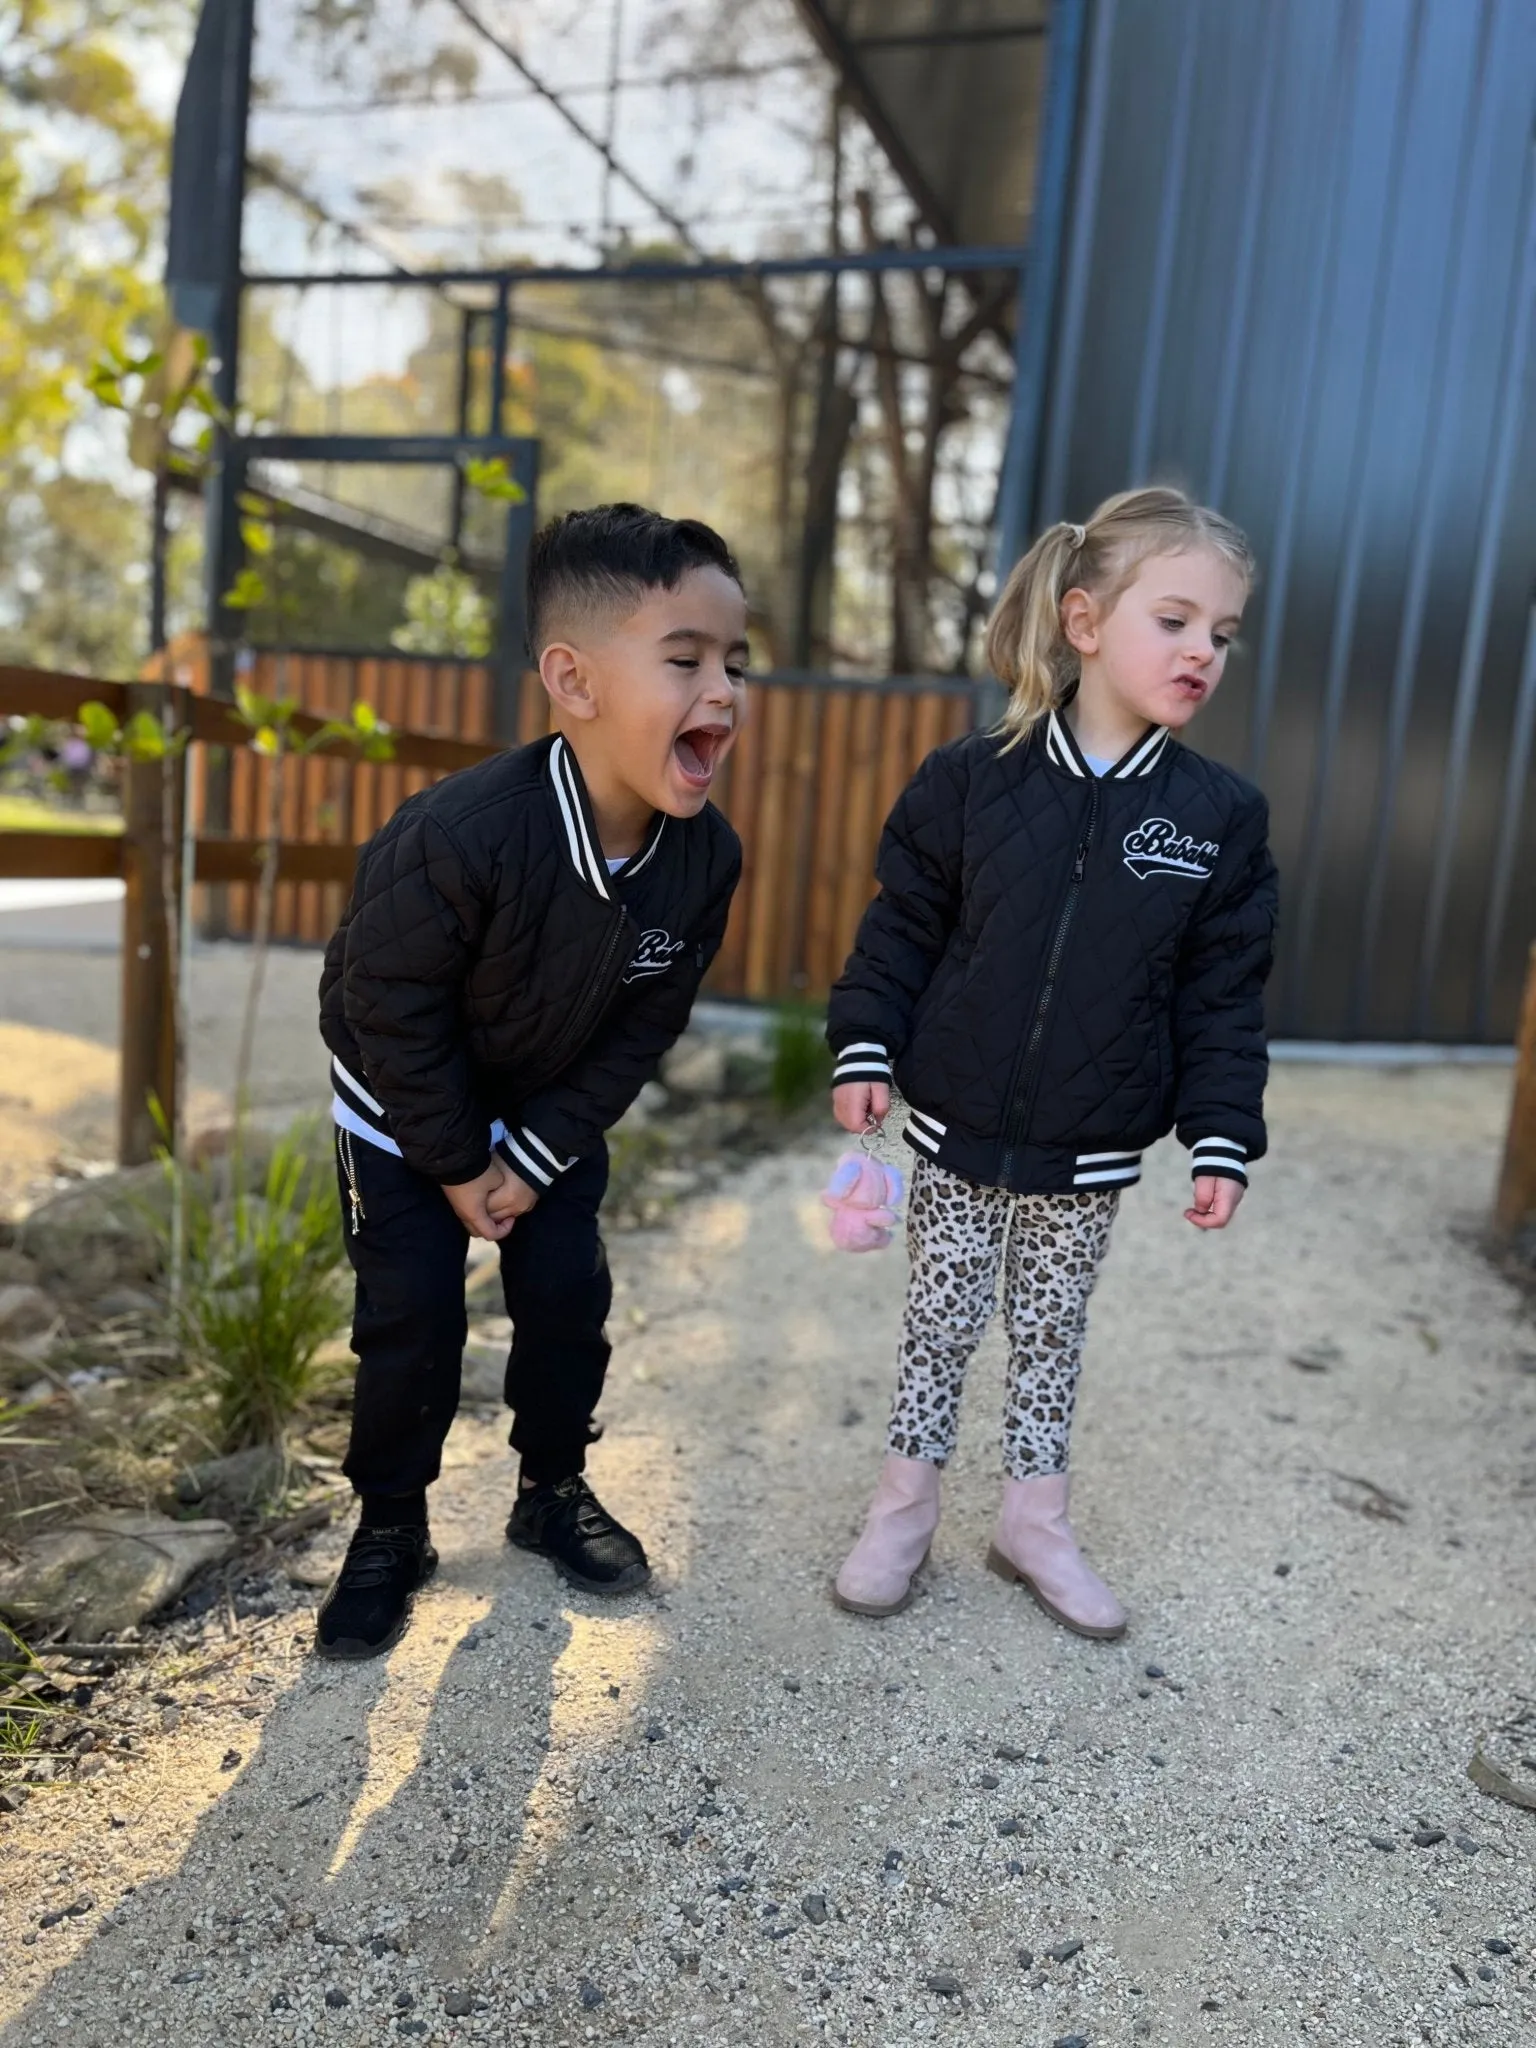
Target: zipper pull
<point>1077,865</point>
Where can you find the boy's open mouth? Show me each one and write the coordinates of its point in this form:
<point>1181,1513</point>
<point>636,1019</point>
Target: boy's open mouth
<point>698,752</point>
<point>1192,686</point>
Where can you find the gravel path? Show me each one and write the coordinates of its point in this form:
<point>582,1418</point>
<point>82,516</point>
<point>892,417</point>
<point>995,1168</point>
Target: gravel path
<point>726,1814</point>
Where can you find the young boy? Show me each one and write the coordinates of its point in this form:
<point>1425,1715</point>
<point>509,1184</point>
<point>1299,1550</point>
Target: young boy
<point>524,942</point>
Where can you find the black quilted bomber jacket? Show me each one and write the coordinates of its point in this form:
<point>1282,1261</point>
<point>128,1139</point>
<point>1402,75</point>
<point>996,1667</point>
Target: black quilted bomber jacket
<point>1060,968</point>
<point>490,971</point>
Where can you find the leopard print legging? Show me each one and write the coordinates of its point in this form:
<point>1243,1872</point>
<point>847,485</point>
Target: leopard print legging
<point>956,1235</point>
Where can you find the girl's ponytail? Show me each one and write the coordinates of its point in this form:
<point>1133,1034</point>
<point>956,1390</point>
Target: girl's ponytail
<point>1026,648</point>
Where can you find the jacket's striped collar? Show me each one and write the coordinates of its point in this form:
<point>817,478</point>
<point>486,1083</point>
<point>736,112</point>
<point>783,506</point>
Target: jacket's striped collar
<point>1062,749</point>
<point>582,842</point>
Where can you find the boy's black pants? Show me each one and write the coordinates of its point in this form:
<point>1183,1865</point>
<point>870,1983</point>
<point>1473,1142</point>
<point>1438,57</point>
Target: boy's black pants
<point>409,1323</point>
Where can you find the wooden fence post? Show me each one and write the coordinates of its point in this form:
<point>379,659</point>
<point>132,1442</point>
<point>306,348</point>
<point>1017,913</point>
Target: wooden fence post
<point>1516,1204</point>
<point>148,1031</point>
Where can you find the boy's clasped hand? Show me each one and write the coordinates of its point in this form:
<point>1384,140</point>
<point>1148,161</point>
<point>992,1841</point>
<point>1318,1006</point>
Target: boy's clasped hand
<point>491,1203</point>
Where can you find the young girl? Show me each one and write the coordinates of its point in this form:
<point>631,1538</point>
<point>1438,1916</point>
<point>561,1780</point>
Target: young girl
<point>1066,960</point>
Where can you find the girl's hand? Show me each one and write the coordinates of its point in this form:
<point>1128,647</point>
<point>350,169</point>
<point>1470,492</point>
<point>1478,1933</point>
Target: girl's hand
<point>1216,1200</point>
<point>855,1102</point>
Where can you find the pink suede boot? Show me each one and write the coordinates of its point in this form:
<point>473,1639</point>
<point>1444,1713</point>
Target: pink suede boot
<point>1035,1545</point>
<point>877,1576</point>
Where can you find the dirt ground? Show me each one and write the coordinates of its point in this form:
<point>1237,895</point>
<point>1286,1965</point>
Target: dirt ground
<point>724,1813</point>
<point>59,1014</point>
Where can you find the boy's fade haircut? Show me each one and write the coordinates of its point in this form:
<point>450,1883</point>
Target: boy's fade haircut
<point>607,558</point>
<point>1027,649</point>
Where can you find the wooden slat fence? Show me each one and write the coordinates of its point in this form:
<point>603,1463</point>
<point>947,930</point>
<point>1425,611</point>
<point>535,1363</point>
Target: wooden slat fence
<point>808,786</point>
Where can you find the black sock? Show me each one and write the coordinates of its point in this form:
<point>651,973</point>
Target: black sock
<point>394,1510</point>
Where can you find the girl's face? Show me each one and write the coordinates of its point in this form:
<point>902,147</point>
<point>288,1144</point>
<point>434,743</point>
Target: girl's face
<point>1157,651</point>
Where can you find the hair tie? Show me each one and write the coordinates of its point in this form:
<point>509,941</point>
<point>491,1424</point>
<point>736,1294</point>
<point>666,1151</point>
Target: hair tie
<point>1079,533</point>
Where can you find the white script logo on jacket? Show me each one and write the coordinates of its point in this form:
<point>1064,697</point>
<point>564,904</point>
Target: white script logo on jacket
<point>654,955</point>
<point>1157,847</point>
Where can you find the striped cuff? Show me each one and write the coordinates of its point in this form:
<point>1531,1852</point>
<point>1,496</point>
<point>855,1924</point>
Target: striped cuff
<point>529,1157</point>
<point>866,1061</point>
<point>1221,1157</point>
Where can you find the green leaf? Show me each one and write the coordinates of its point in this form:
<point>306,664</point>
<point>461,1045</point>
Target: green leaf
<point>364,717</point>
<point>257,536</point>
<point>99,727</point>
<point>492,479</point>
<point>248,590</point>
<point>378,746</point>
<point>268,741</point>
<point>144,737</point>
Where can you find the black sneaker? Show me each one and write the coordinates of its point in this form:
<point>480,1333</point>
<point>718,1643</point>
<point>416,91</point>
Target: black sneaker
<point>366,1610</point>
<point>568,1524</point>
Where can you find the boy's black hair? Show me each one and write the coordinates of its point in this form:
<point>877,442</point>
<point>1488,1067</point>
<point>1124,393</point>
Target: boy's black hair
<point>613,555</point>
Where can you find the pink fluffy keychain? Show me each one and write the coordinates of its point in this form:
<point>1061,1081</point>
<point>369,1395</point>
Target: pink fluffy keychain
<point>863,1195</point>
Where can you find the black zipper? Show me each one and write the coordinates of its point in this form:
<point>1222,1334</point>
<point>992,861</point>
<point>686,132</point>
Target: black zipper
<point>1027,1069</point>
<point>595,997</point>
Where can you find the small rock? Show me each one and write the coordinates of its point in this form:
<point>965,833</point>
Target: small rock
<point>728,1886</point>
<point>238,1484</point>
<point>655,1732</point>
<point>1282,1571</point>
<point>1008,1827</point>
<point>25,1312</point>
<point>336,1998</point>
<point>1156,1671</point>
<point>456,1855</point>
<point>1064,1951</point>
<point>1210,2005</point>
<point>1007,1754</point>
<point>591,1997</point>
<point>1154,1758</point>
<point>1026,1959</point>
<point>1070,2041</point>
<point>403,2001</point>
<point>410,2026</point>
<point>230,1760</point>
<point>13,1798</point>
<point>1381,1842</point>
<point>103,1572</point>
<point>51,1919</point>
<point>1143,1692</point>
<point>850,1418</point>
<point>695,1066</point>
<point>692,1915</point>
<point>196,1976</point>
<point>1428,1838</point>
<point>814,1907</point>
<point>990,1781</point>
<point>1488,1974</point>
<point>170,1719</point>
<point>1317,1357</point>
<point>459,2005</point>
<point>1466,1845</point>
<point>944,1982</point>
<point>893,1859</point>
<point>1014,1867</point>
<point>460,1783</point>
<point>791,1685</point>
<point>1498,1948</point>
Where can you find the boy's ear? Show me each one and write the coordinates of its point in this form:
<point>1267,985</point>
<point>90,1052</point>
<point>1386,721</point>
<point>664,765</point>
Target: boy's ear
<point>564,676</point>
<point>1079,622</point>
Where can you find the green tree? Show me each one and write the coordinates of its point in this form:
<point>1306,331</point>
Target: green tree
<point>82,190</point>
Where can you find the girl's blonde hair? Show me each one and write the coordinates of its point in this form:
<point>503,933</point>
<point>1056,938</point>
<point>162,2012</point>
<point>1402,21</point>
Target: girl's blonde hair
<point>1026,647</point>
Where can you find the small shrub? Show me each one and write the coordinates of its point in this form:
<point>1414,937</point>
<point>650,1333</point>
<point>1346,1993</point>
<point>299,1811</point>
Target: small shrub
<point>264,1288</point>
<point>802,1063</point>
